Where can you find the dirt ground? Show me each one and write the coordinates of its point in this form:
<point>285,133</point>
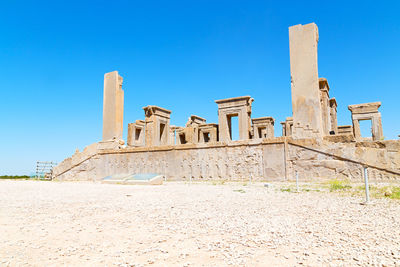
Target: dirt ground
<point>177,224</point>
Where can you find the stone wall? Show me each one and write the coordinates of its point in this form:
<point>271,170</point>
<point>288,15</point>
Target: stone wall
<point>345,160</point>
<point>236,162</point>
<point>274,159</point>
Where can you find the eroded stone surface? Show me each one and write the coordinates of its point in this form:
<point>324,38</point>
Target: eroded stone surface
<point>113,106</point>
<point>306,106</point>
<point>266,160</point>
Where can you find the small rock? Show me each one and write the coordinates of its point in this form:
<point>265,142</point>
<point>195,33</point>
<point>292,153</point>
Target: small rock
<point>388,193</point>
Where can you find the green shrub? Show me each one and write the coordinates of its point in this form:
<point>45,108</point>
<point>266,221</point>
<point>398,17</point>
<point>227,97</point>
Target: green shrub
<point>239,191</point>
<point>14,177</point>
<point>336,184</point>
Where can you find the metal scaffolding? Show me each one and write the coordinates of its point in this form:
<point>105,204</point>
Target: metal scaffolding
<point>44,169</point>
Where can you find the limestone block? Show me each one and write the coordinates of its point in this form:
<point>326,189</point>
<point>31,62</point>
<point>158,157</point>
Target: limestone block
<point>113,106</point>
<point>306,106</point>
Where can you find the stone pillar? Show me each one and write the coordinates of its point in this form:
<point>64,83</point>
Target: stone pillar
<point>377,132</point>
<point>333,115</point>
<point>173,134</point>
<point>307,113</point>
<point>324,100</point>
<point>283,128</point>
<point>113,106</point>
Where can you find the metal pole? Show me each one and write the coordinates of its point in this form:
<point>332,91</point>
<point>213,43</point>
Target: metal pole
<point>284,157</point>
<point>251,177</point>
<point>191,173</point>
<point>297,181</point>
<point>366,185</point>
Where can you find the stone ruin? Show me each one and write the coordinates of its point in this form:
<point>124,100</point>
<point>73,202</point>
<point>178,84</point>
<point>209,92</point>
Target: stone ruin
<point>312,143</point>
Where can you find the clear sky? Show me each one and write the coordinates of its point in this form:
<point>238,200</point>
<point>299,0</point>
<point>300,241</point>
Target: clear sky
<point>180,55</point>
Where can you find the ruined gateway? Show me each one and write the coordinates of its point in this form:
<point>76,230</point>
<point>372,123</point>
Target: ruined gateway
<point>311,143</point>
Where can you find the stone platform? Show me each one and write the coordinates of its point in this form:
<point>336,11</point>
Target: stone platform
<point>275,159</point>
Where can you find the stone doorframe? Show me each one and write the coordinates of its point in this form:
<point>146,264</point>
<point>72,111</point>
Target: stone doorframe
<point>263,127</point>
<point>208,133</point>
<point>136,133</point>
<point>234,107</point>
<point>367,111</point>
<point>157,131</point>
<point>287,126</point>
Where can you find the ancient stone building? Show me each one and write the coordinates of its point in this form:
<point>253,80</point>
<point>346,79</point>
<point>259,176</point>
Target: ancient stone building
<point>312,142</point>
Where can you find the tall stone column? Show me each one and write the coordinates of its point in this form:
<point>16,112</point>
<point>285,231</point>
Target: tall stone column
<point>113,106</point>
<point>307,112</point>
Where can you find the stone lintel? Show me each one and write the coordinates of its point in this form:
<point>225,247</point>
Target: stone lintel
<point>139,122</point>
<point>155,110</point>
<point>332,102</point>
<point>208,126</point>
<point>234,102</point>
<point>323,84</point>
<point>193,119</point>
<point>287,121</point>
<point>175,128</point>
<point>180,130</point>
<point>365,108</point>
<point>263,120</point>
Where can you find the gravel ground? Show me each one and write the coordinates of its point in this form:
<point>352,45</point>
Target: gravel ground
<point>91,224</point>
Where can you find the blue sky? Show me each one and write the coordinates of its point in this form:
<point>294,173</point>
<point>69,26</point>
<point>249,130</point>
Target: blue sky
<point>180,55</point>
